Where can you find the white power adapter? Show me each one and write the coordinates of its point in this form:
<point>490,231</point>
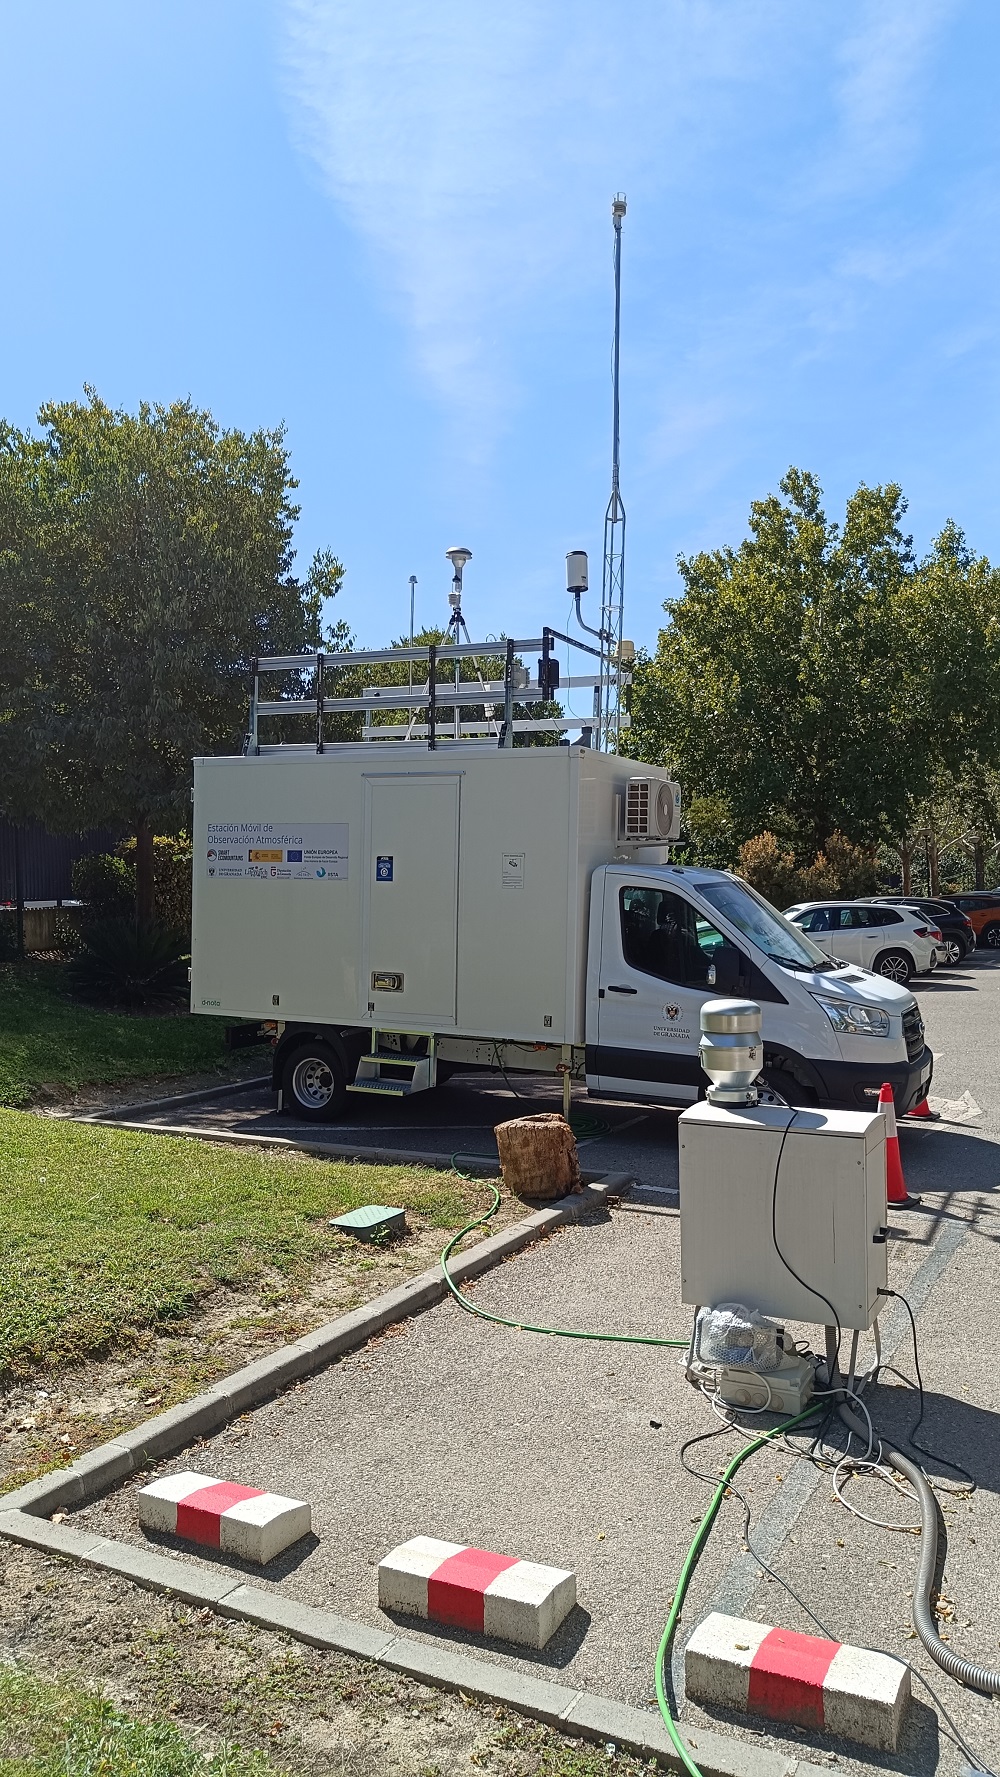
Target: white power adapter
<point>787,1389</point>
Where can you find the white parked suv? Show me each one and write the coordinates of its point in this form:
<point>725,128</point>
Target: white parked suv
<point>894,941</point>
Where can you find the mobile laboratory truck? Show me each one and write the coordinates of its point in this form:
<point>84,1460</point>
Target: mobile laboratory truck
<point>436,899</point>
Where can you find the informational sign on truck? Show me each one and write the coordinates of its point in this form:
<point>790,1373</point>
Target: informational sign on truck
<point>314,851</point>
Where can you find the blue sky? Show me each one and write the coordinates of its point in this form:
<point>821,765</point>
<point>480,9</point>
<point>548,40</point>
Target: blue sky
<point>389,227</point>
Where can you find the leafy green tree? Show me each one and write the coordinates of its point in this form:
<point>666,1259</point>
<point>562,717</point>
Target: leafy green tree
<point>145,560</point>
<point>816,678</point>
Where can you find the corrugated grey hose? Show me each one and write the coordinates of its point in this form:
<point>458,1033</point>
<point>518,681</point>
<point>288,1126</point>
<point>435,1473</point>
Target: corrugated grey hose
<point>978,1678</point>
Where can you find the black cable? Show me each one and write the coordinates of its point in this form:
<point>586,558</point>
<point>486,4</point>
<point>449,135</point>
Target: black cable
<point>774,1236</point>
<point>503,1071</point>
<point>911,1438</point>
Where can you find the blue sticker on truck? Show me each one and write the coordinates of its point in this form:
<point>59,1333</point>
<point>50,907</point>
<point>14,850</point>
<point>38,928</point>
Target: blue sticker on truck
<point>383,869</point>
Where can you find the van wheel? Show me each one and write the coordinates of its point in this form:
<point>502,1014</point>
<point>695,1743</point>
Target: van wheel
<point>895,965</point>
<point>779,1080</point>
<point>991,936</point>
<point>313,1085</point>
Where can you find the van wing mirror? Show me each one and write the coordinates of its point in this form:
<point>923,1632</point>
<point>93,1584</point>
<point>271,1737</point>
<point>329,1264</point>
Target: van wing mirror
<point>726,971</point>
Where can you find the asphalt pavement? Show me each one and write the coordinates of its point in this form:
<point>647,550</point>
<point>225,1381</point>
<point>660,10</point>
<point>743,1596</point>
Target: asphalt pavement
<point>569,1451</point>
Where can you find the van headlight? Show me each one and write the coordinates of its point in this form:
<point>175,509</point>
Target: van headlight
<point>855,1021</point>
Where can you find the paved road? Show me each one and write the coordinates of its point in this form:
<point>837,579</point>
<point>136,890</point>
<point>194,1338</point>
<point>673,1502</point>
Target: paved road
<point>549,1449</point>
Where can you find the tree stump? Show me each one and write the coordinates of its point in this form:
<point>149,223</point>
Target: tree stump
<point>538,1156</point>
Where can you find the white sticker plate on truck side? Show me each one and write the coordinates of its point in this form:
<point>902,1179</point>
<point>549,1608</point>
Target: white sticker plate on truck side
<point>308,851</point>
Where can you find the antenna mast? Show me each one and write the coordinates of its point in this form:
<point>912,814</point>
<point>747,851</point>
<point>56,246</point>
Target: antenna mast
<point>613,583</point>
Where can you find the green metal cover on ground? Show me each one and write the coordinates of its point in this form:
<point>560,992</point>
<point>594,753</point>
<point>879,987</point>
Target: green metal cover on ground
<point>372,1219</point>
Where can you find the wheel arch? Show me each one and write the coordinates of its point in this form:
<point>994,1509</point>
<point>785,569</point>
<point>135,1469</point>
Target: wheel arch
<point>347,1044</point>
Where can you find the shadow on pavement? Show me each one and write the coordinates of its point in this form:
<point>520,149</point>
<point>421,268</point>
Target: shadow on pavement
<point>951,1428</point>
<point>565,1643</point>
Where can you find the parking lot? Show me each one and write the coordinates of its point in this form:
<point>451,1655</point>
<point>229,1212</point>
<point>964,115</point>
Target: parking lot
<point>571,1453</point>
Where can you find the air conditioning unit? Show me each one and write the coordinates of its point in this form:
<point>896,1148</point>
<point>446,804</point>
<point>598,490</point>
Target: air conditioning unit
<point>652,811</point>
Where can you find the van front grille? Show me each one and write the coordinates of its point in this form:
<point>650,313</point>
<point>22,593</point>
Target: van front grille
<point>913,1031</point>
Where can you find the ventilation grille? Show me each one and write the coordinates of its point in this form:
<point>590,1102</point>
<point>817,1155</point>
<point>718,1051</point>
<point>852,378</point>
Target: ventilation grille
<point>652,810</point>
<point>637,808</point>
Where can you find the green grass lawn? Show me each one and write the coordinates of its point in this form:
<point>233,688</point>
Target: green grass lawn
<point>58,1730</point>
<point>105,1232</point>
<point>48,1040</point>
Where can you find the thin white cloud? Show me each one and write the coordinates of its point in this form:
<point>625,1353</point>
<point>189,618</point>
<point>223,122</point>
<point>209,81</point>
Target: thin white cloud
<point>885,68</point>
<point>476,149</point>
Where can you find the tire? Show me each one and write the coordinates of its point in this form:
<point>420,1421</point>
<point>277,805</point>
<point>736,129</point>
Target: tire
<point>895,965</point>
<point>990,935</point>
<point>779,1080</point>
<point>313,1083</point>
<point>954,952</point>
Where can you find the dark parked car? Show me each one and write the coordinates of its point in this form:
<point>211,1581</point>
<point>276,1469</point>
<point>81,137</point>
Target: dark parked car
<point>957,930</point>
<point>983,910</point>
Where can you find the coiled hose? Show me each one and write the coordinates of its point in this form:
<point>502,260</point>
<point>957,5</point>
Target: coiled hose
<point>978,1678</point>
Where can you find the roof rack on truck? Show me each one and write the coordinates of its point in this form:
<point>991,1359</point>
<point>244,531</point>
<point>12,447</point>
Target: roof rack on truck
<point>437,711</point>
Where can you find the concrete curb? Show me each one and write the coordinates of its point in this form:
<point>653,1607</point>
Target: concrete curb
<point>854,1693</point>
<point>322,1150</point>
<point>474,1163</point>
<point>227,1089</point>
<point>573,1712</point>
<point>24,1514</point>
<point>256,1382</point>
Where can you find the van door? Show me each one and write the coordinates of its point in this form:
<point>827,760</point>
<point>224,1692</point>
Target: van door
<point>410,901</point>
<point>656,964</point>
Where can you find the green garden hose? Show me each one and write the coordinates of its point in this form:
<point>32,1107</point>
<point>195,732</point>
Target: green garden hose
<point>690,1563</point>
<point>694,1552</point>
<point>523,1326</point>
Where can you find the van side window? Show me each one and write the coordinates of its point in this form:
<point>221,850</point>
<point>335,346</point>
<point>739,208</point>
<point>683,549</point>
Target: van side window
<point>663,936</point>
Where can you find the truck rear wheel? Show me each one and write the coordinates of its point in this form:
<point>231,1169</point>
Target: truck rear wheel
<point>313,1085</point>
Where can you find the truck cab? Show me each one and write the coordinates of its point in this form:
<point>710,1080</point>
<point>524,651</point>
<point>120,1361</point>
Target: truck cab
<point>665,938</point>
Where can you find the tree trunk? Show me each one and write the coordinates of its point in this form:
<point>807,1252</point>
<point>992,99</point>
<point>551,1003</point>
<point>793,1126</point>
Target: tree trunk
<point>144,894</point>
<point>538,1156</point>
<point>934,865</point>
<point>905,851</point>
<point>979,855</point>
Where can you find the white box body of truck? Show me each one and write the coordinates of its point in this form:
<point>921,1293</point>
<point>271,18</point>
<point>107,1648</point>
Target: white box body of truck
<point>447,891</point>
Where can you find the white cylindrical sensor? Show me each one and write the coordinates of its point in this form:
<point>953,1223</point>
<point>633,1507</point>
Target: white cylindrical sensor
<point>576,571</point>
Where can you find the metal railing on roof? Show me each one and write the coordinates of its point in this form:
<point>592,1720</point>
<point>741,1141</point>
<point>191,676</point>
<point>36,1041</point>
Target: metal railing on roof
<point>445,704</point>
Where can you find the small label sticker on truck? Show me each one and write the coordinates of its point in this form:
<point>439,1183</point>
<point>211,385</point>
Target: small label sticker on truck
<point>512,869</point>
<point>383,869</point>
<point>312,851</point>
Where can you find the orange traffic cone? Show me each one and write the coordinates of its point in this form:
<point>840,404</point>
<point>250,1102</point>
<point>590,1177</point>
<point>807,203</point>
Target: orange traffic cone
<point>923,1110</point>
<point>895,1190</point>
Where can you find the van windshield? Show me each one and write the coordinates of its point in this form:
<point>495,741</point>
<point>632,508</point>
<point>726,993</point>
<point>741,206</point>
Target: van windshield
<point>757,920</point>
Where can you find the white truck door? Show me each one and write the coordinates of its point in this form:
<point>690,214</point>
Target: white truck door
<point>656,955</point>
<point>410,907</point>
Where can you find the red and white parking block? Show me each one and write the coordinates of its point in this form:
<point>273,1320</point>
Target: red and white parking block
<point>730,1663</point>
<point>241,1521</point>
<point>467,1588</point>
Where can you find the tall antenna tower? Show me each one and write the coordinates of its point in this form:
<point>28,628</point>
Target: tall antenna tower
<point>613,582</point>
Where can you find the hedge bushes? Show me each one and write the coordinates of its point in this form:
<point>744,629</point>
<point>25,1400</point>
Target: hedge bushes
<point>106,882</point>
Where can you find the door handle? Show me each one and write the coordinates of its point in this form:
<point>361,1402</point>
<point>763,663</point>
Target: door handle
<point>623,990</point>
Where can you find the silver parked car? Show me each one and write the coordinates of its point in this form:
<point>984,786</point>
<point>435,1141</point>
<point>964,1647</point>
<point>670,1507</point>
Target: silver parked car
<point>893,941</point>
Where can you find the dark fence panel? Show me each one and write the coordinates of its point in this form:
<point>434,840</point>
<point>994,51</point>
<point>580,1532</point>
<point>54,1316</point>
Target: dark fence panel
<point>46,860</point>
